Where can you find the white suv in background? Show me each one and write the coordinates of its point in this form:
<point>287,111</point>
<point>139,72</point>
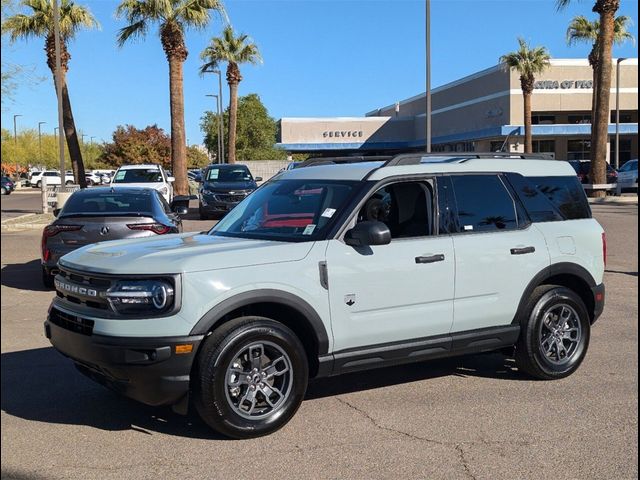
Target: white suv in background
<point>145,176</point>
<point>628,176</point>
<point>53,178</point>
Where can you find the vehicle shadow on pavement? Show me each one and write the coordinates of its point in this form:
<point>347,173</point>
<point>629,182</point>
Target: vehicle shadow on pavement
<point>632,274</point>
<point>43,386</point>
<point>489,365</point>
<point>24,276</point>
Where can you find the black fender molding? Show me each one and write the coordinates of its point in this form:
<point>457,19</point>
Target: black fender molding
<point>562,268</point>
<point>265,296</point>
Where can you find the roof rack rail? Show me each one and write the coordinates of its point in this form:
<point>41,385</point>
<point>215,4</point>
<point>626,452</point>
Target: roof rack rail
<point>346,159</point>
<point>416,158</point>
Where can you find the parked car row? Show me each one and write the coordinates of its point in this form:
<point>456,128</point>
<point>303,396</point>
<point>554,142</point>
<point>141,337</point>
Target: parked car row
<point>7,186</point>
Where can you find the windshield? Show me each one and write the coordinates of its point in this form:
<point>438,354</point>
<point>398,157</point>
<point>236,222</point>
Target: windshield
<point>111,203</point>
<point>138,175</point>
<point>237,174</point>
<point>288,210</point>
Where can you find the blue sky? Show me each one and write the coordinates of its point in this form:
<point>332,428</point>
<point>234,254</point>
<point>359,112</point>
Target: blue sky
<point>321,58</point>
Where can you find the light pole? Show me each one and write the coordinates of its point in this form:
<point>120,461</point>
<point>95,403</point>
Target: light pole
<point>617,158</point>
<point>40,138</point>
<point>221,124</point>
<point>15,142</point>
<point>428,79</point>
<point>58,84</point>
<point>218,157</point>
<point>91,140</point>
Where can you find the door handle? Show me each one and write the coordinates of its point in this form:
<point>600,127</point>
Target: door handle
<point>522,250</point>
<point>431,258</point>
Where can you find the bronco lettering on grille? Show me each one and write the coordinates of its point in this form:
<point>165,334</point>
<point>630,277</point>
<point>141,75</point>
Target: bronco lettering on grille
<point>71,288</point>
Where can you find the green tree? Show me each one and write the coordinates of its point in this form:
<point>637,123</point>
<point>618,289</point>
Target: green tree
<point>31,150</point>
<point>528,62</point>
<point>39,24</point>
<point>131,145</point>
<point>583,30</point>
<point>196,158</point>
<point>173,18</point>
<point>256,131</point>
<point>606,9</point>
<point>234,51</point>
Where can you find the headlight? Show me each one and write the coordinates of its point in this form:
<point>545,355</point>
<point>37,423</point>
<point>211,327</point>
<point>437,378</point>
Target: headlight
<point>136,297</point>
<point>163,190</point>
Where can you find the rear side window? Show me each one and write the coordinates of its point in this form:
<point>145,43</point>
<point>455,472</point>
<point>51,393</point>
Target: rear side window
<point>107,204</point>
<point>537,205</point>
<point>566,194</point>
<point>484,204</point>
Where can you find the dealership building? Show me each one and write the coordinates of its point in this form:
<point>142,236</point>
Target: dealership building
<point>482,112</point>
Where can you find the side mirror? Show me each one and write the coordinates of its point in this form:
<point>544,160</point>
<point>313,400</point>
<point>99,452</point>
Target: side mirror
<point>368,233</point>
<point>258,179</point>
<point>171,179</point>
<point>180,210</point>
<point>56,212</point>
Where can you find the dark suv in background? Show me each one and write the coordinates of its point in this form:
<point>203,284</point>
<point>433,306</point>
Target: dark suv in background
<point>223,187</point>
<point>583,168</point>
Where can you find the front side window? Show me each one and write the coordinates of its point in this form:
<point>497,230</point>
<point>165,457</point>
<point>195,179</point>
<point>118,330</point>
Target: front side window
<point>288,210</point>
<point>483,203</point>
<point>406,208</point>
<point>138,175</point>
<point>236,174</point>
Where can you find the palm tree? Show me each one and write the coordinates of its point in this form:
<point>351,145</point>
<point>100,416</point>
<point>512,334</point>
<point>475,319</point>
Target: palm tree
<point>234,51</point>
<point>40,24</point>
<point>606,9</point>
<point>173,18</point>
<point>528,62</point>
<point>582,29</point>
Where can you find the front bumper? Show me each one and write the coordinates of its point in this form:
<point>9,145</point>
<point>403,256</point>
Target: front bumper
<point>598,299</point>
<point>148,370</point>
<point>216,206</point>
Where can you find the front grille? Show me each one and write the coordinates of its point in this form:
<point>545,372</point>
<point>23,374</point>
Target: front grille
<point>83,289</point>
<point>70,322</point>
<point>230,198</point>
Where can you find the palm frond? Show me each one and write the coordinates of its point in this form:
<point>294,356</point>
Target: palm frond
<point>135,30</point>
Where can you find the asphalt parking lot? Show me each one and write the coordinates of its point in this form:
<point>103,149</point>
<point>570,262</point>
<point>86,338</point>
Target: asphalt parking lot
<point>468,418</point>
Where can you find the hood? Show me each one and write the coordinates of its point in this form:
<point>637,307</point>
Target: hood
<point>181,253</point>
<point>229,186</point>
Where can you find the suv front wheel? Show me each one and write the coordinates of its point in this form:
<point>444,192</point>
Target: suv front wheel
<point>251,377</point>
<point>555,334</point>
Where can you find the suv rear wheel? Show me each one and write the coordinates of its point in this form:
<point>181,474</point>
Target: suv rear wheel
<point>251,377</point>
<point>555,335</point>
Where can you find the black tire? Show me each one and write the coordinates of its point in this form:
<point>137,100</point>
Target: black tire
<point>70,182</point>
<point>47,278</point>
<point>213,397</point>
<point>39,184</point>
<point>203,216</point>
<point>4,191</point>
<point>531,357</point>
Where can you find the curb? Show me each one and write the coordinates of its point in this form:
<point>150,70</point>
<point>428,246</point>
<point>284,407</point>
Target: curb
<point>22,226</point>
<point>9,221</point>
<point>614,201</point>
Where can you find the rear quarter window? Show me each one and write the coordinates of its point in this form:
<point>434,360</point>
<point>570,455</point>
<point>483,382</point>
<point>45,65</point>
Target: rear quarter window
<point>565,193</point>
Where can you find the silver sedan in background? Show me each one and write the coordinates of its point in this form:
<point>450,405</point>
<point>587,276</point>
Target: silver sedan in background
<point>105,213</point>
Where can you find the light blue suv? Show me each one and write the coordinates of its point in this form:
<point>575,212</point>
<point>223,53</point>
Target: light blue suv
<point>336,266</point>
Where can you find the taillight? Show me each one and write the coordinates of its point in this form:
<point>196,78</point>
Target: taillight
<point>51,231</point>
<point>604,248</point>
<point>158,228</point>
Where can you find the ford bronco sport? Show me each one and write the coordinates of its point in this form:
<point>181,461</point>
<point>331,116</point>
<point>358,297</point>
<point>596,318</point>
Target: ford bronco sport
<point>336,266</point>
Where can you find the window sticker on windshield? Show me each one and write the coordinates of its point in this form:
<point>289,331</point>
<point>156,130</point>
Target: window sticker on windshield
<point>120,175</point>
<point>328,212</point>
<point>308,230</point>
